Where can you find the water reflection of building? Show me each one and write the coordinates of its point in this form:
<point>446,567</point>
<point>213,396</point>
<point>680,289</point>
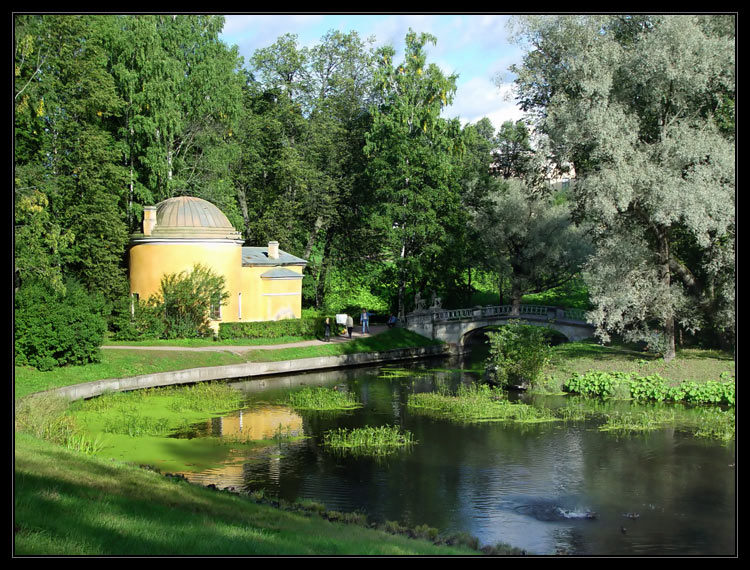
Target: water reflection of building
<point>247,425</point>
<point>257,424</point>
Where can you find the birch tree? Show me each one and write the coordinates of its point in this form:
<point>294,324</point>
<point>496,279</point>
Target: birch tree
<point>411,167</point>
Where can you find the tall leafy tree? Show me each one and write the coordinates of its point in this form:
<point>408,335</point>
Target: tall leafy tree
<point>182,92</point>
<point>302,140</point>
<point>513,153</point>
<point>67,163</point>
<point>411,168</point>
<point>640,105</point>
<point>531,238</point>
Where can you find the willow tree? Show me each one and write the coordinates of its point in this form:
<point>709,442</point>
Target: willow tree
<point>410,162</point>
<point>531,238</point>
<point>642,107</point>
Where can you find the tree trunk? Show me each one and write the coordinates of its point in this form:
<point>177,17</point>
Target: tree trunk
<point>313,235</point>
<point>515,297</point>
<point>669,324</point>
<point>242,198</point>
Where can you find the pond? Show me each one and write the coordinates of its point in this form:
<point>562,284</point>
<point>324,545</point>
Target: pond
<point>562,487</point>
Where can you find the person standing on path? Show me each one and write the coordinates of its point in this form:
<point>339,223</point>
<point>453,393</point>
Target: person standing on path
<point>364,318</point>
<point>328,329</point>
<point>349,325</point>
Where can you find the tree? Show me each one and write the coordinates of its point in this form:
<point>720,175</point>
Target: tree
<point>513,152</point>
<point>532,238</point>
<point>518,354</point>
<point>411,168</point>
<point>186,301</point>
<point>182,94</point>
<point>639,104</point>
<point>69,183</point>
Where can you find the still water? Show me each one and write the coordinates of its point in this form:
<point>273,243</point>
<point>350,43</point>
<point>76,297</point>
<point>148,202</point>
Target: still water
<point>551,488</point>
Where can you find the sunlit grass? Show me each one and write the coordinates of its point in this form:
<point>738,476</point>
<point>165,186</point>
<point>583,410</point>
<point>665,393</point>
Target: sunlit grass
<point>70,504</point>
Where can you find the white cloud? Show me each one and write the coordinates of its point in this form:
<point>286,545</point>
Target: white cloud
<point>480,97</point>
<point>475,47</point>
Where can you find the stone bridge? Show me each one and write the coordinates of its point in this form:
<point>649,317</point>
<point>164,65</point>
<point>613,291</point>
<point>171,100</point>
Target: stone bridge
<point>454,326</point>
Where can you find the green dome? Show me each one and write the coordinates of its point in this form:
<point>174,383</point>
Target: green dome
<point>189,217</point>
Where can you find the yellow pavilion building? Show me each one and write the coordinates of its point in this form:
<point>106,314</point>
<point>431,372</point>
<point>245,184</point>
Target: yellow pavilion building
<point>264,283</point>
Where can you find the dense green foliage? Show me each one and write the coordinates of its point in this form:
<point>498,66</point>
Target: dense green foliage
<point>56,329</point>
<point>180,309</point>
<point>650,388</point>
<point>304,327</point>
<point>342,154</point>
<point>639,105</point>
<point>518,354</point>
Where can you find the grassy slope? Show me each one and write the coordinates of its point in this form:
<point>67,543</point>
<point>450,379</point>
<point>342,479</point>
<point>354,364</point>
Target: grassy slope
<point>691,364</point>
<point>123,363</point>
<point>70,504</point>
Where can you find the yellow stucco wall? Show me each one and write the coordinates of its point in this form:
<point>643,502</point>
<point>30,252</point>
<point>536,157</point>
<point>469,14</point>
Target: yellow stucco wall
<point>272,299</point>
<point>149,262</point>
<point>260,299</point>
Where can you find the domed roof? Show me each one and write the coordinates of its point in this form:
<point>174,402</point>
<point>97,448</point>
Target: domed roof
<point>190,217</point>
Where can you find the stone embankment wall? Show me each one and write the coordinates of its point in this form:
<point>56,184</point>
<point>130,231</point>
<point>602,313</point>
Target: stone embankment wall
<point>245,370</point>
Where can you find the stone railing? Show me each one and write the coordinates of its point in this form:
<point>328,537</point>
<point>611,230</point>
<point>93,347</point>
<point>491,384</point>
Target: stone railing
<point>441,315</point>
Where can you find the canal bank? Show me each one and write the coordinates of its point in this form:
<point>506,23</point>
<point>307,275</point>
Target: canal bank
<point>245,370</point>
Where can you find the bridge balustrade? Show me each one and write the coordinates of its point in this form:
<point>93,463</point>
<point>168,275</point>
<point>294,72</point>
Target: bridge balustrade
<point>503,310</point>
<point>497,311</point>
<point>450,325</point>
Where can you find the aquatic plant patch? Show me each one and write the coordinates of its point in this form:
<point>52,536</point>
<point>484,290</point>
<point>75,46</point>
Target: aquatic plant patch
<point>140,426</point>
<point>475,403</point>
<point>323,399</point>
<point>638,421</point>
<point>716,423</point>
<point>368,440</point>
<point>47,417</point>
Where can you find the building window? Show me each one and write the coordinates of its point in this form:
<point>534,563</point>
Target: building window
<point>133,303</point>
<point>215,308</point>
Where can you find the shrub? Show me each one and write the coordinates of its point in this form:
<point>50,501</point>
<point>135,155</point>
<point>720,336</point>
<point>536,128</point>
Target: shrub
<point>55,329</point>
<point>518,354</point>
<point>181,308</point>
<point>139,321</point>
<point>650,388</point>
<point>185,301</point>
<point>306,326</point>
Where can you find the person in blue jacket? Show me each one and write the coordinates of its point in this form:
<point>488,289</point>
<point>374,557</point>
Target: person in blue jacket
<point>364,318</point>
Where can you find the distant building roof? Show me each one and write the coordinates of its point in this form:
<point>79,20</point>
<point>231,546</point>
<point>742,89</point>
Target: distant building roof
<point>259,256</point>
<point>187,217</point>
<point>280,273</point>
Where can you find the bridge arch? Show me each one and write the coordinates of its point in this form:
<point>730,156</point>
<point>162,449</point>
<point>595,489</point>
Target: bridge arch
<point>456,326</point>
<point>479,328</point>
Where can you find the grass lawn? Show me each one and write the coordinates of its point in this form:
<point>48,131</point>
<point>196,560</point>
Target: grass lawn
<point>116,363</point>
<point>387,340</point>
<point>201,342</point>
<point>693,364</point>
<point>67,503</point>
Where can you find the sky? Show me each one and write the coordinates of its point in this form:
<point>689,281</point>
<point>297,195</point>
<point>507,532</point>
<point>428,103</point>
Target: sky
<point>474,46</point>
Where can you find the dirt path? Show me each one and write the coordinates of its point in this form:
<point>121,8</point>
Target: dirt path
<point>241,349</point>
